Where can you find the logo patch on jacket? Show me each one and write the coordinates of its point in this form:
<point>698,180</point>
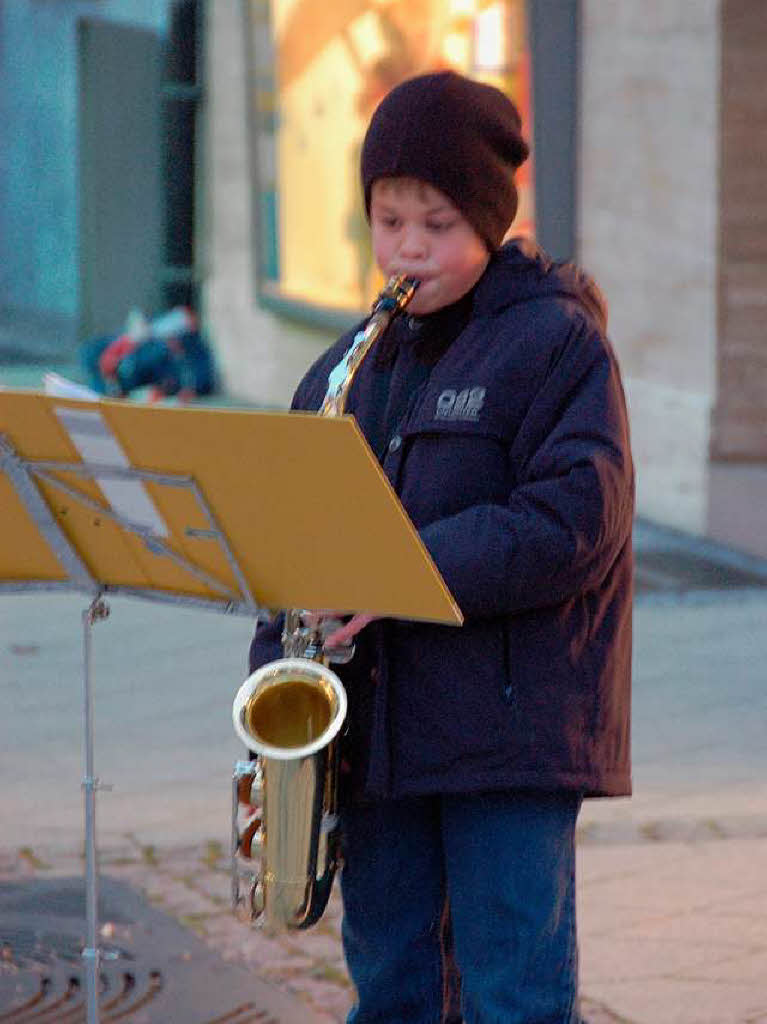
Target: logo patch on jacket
<point>460,405</point>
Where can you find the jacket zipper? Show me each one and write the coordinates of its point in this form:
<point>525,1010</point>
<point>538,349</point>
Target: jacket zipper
<point>508,688</point>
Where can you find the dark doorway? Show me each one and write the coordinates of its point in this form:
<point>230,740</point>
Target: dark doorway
<point>181,99</point>
<point>121,188</point>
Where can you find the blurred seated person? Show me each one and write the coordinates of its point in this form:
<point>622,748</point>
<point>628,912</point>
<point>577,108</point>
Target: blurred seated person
<point>166,354</point>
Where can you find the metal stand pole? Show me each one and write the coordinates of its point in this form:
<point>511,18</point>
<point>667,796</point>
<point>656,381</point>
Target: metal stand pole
<point>26,477</point>
<point>91,954</point>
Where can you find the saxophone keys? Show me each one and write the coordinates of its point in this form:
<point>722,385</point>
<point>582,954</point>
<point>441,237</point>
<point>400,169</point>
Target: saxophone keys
<point>250,787</point>
<point>251,840</point>
<point>256,900</point>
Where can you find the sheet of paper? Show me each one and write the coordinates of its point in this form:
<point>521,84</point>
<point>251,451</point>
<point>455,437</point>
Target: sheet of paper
<point>95,442</point>
<point>63,387</point>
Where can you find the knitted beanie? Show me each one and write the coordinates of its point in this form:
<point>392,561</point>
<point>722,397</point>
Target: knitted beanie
<point>460,136</point>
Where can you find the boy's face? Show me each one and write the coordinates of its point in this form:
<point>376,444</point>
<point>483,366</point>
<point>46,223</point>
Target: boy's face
<point>419,232</point>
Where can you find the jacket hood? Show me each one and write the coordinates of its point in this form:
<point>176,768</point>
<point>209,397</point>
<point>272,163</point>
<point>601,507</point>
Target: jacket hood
<point>521,271</point>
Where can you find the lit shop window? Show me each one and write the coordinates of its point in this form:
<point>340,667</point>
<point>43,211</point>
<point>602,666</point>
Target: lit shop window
<point>318,69</point>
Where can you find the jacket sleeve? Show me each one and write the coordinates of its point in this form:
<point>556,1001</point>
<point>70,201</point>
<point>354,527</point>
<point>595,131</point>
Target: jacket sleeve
<point>570,513</point>
<point>266,644</point>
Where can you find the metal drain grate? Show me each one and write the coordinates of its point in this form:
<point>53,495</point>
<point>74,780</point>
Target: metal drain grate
<point>56,995</point>
<point>153,971</point>
<point>30,947</point>
<point>59,995</point>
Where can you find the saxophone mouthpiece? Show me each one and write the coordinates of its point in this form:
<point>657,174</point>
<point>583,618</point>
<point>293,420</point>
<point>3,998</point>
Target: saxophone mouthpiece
<point>396,295</point>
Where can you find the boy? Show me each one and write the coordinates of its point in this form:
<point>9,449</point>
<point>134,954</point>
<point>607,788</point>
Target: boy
<point>496,409</point>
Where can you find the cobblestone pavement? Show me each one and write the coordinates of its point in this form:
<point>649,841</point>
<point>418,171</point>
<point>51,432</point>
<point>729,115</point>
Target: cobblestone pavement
<point>192,885</point>
<point>673,923</point>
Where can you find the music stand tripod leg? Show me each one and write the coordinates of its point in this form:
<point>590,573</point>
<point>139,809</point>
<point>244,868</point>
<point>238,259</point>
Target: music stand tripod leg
<point>91,954</point>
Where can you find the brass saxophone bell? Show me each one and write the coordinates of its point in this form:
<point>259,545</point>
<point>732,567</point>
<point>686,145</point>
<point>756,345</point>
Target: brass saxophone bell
<point>289,708</point>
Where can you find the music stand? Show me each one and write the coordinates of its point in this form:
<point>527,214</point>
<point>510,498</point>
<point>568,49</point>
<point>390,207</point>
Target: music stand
<point>233,511</point>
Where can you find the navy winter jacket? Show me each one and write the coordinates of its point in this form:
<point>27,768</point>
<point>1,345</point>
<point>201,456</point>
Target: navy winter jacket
<point>513,461</point>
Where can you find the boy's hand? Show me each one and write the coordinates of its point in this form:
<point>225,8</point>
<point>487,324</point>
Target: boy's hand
<point>346,633</point>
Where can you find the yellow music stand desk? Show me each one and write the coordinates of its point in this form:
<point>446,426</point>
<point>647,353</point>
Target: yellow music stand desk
<point>236,511</point>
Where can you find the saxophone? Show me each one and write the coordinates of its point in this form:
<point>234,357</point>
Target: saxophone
<point>289,713</point>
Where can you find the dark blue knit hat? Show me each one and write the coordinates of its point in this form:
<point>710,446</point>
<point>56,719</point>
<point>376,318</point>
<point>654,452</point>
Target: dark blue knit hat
<point>461,136</point>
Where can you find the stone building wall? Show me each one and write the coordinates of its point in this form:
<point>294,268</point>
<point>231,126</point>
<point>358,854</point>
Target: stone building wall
<point>648,192</point>
<point>740,420</point>
<point>738,471</point>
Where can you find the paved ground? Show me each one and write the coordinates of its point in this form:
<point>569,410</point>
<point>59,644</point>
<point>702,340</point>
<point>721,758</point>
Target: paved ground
<point>672,894</point>
<point>154,966</point>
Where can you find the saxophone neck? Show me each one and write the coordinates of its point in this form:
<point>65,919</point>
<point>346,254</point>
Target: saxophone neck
<point>394,298</point>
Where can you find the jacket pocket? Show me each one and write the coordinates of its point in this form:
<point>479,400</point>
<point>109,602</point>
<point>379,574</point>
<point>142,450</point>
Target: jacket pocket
<point>448,470</point>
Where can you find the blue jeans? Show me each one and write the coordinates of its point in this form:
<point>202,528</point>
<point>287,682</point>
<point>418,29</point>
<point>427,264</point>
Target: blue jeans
<point>506,862</point>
